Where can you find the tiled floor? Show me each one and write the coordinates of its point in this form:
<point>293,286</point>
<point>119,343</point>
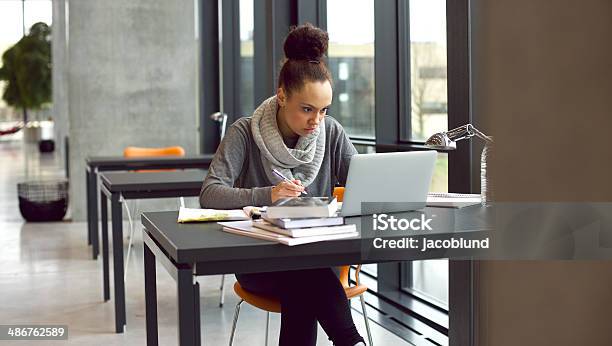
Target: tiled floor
<point>47,277</point>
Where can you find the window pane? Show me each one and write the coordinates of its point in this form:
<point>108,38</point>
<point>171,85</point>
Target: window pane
<point>246,57</point>
<point>371,269</point>
<point>12,16</point>
<point>365,149</point>
<point>429,279</point>
<point>439,181</point>
<point>37,11</point>
<point>428,68</point>
<point>350,24</point>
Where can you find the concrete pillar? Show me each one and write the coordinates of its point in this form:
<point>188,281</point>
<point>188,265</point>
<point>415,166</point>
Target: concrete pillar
<point>132,80</point>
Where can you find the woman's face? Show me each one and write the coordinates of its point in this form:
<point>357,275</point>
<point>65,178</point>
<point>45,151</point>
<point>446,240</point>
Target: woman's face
<point>303,110</point>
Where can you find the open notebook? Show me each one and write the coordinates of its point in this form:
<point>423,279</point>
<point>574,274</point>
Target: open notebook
<point>200,215</point>
<point>452,200</point>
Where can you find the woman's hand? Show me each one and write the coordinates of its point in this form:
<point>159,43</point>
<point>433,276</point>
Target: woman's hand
<point>286,189</point>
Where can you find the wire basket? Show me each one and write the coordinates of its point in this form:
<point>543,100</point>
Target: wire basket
<point>43,200</point>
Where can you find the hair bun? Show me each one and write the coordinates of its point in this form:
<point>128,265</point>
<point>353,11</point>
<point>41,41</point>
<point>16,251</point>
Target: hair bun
<point>306,42</point>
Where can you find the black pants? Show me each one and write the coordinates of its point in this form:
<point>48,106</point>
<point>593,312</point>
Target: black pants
<point>307,296</point>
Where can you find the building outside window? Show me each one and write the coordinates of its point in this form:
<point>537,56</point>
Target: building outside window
<point>350,25</point>
<point>247,29</point>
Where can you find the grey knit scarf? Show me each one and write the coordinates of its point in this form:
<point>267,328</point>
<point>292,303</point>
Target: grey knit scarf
<point>302,162</point>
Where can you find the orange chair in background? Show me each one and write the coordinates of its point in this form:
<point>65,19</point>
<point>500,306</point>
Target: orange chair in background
<point>153,152</point>
<point>272,304</point>
<point>146,152</point>
<point>167,151</point>
<point>339,193</point>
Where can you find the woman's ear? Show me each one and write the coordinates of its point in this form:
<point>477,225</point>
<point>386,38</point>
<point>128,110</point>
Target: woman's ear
<point>281,97</point>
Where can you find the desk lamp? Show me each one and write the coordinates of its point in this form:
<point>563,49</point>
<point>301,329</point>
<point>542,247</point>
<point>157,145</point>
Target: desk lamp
<point>448,141</point>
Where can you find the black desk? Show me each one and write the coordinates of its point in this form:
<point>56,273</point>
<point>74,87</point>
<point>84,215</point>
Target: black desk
<point>188,250</point>
<point>115,163</point>
<point>135,185</point>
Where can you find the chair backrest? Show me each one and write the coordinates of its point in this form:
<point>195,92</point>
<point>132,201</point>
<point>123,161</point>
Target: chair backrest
<point>344,270</point>
<point>146,152</point>
<point>339,193</point>
<point>149,152</point>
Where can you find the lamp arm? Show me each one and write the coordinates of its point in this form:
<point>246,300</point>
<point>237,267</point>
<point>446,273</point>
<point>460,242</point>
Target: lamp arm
<point>467,131</point>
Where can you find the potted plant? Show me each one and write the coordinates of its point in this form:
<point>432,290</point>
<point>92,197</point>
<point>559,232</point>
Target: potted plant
<point>26,68</point>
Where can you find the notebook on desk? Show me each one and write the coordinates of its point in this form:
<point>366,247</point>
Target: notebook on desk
<point>203,215</point>
<point>246,228</point>
<point>452,200</point>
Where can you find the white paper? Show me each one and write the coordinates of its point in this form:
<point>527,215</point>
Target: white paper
<point>199,215</point>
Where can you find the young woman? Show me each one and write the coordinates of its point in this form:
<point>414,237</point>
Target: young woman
<point>290,132</point>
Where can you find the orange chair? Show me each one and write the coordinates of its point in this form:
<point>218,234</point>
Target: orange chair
<point>272,304</point>
<point>146,152</point>
<point>167,151</point>
<point>153,152</point>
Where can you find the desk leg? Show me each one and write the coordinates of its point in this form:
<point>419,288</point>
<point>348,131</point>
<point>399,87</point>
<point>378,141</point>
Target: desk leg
<point>117,223</point>
<point>196,306</point>
<point>93,185</point>
<point>88,199</point>
<point>150,296</point>
<point>105,271</point>
<point>188,308</point>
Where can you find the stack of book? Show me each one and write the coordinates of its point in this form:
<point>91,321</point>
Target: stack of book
<point>295,221</point>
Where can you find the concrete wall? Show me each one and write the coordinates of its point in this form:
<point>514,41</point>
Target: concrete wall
<point>542,81</point>
<point>131,78</point>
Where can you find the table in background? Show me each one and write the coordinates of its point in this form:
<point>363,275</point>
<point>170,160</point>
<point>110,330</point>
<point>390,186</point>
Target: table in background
<point>118,186</point>
<point>94,165</point>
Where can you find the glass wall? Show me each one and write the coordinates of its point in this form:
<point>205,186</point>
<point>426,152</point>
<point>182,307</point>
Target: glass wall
<point>351,58</point>
<point>16,18</point>
<point>429,114</point>
<point>428,70</point>
<point>247,29</point>
<point>350,25</point>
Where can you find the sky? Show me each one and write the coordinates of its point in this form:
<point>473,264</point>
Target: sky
<point>11,19</point>
<point>352,21</point>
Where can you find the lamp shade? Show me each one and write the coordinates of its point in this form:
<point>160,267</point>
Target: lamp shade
<point>440,141</point>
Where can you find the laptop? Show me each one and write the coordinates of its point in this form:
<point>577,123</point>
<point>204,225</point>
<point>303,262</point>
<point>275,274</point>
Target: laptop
<point>396,181</point>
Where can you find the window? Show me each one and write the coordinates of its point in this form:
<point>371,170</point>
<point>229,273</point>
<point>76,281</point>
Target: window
<point>35,11</point>
<point>350,25</point>
<point>427,280</point>
<point>247,101</point>
<point>428,94</point>
<point>16,18</point>
<point>408,84</point>
<point>429,114</point>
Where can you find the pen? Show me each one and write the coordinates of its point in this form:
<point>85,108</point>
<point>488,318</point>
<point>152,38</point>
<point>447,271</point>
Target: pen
<point>280,175</point>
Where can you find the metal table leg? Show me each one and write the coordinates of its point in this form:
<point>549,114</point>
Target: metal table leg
<point>105,271</point>
<point>93,216</point>
<point>188,308</point>
<point>88,200</point>
<point>117,223</point>
<point>150,296</point>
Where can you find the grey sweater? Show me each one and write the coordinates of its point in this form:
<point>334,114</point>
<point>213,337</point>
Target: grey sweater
<point>236,177</point>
